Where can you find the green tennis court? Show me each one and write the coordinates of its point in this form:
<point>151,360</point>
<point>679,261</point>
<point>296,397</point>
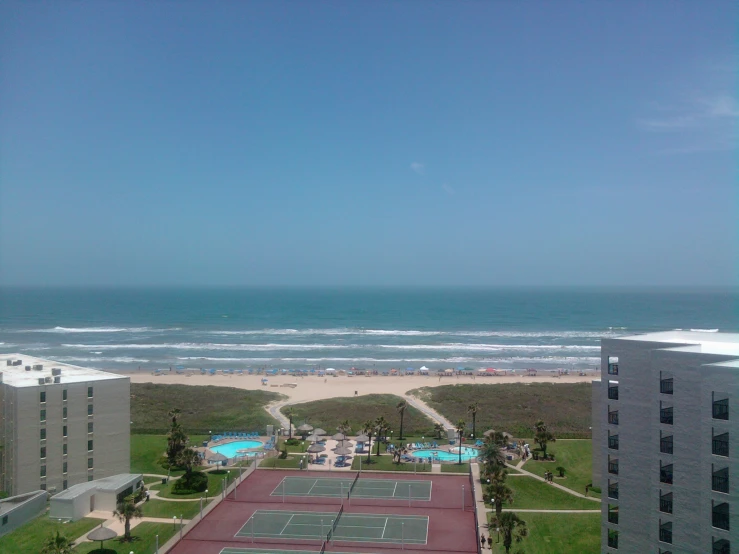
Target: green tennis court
<point>363,488</point>
<point>271,551</point>
<point>288,524</point>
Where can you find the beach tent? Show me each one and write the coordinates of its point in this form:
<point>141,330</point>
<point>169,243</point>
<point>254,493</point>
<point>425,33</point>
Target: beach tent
<point>491,370</point>
<point>424,370</point>
<point>482,370</point>
<point>330,370</point>
<point>448,371</point>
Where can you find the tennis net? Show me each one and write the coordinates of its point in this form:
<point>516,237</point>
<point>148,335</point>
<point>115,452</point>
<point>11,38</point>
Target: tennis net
<point>323,548</point>
<point>354,484</point>
<point>330,534</point>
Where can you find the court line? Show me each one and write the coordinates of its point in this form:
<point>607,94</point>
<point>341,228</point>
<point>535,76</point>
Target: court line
<point>395,488</point>
<point>313,486</point>
<point>383,529</point>
<point>288,523</point>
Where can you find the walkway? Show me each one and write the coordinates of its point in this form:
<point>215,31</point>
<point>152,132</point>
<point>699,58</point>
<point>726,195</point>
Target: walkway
<point>428,411</point>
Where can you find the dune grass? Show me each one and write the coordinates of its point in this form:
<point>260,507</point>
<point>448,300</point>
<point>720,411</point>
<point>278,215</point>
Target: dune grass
<point>576,456</point>
<point>327,414</point>
<point>515,407</point>
<point>31,536</point>
<point>555,534</point>
<point>204,409</point>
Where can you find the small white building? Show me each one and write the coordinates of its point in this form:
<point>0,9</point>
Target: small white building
<point>102,494</point>
<point>19,510</point>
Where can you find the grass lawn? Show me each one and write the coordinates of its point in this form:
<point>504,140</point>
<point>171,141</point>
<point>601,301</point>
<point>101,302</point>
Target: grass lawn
<point>31,536</point>
<point>327,414</point>
<point>576,456</point>
<point>455,468</point>
<point>530,494</point>
<point>162,508</point>
<point>215,482</point>
<point>143,540</point>
<point>556,534</point>
<point>288,463</point>
<point>203,409</point>
<point>385,463</point>
<point>146,450</point>
<point>515,407</point>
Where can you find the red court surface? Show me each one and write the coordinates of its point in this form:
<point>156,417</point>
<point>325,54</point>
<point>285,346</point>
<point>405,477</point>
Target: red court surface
<point>451,528</point>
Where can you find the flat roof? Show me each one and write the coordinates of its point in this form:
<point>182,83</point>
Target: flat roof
<point>17,376</point>
<point>113,483</point>
<point>704,342</point>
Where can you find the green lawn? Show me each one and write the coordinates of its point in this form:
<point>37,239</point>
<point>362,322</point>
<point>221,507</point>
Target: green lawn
<point>31,536</point>
<point>204,409</point>
<point>556,534</point>
<point>576,456</point>
<point>531,494</point>
<point>327,414</point>
<point>515,407</point>
<point>163,508</point>
<point>288,463</point>
<point>385,463</point>
<point>147,450</point>
<point>215,482</point>
<point>455,468</point>
<point>143,540</point>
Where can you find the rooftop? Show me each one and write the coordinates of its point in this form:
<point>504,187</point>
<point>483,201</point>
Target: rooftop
<point>704,342</point>
<point>113,484</point>
<point>17,376</point>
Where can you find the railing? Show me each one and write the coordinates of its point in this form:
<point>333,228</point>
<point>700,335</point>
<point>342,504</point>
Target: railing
<point>612,369</point>
<point>613,442</point>
<point>613,491</point>
<point>665,476</point>
<point>613,393</point>
<point>720,483</point>
<point>474,503</point>
<point>613,467</point>
<point>720,447</point>
<point>665,386</point>
<point>665,445</point>
<point>665,505</point>
<point>721,409</point>
<point>613,418</point>
<point>665,416</point>
<point>721,520</point>
<point>665,535</point>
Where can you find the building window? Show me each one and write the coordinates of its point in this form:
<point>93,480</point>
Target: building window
<point>665,503</point>
<point>613,442</point>
<point>720,444</point>
<point>665,386</point>
<point>721,409</point>
<point>613,417</point>
<point>665,474</point>
<point>43,452</point>
<point>64,449</point>
<point>64,485</point>
<point>612,539</point>
<point>720,480</point>
<point>612,369</point>
<point>42,486</point>
<point>64,394</point>
<point>89,392</point>
<point>665,551</point>
<point>721,546</point>
<point>43,471</point>
<point>666,416</point>
<point>64,431</point>
<point>5,520</point>
<point>89,477</point>
<point>613,466</point>
<point>665,532</point>
<point>89,463</point>
<point>613,392</point>
<point>613,490</point>
<point>64,412</point>
<point>42,396</point>
<point>89,409</point>
<point>43,433</point>
<point>43,415</point>
<point>665,444</point>
<point>89,426</point>
<point>613,514</point>
<point>721,516</point>
<point>89,446</point>
<point>64,467</point>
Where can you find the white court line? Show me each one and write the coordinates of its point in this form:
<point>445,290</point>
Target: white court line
<point>395,488</point>
<point>288,523</point>
<point>383,529</point>
<point>312,487</point>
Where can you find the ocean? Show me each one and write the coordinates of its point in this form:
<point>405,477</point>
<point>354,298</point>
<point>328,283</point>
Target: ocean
<point>240,328</point>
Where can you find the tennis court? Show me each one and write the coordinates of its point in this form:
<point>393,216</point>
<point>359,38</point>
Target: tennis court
<point>354,488</point>
<point>338,526</point>
<point>271,551</point>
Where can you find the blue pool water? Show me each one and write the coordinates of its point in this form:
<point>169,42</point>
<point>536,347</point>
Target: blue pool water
<point>467,454</point>
<point>231,449</point>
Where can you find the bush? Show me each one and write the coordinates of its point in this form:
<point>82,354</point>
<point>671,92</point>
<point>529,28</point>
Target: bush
<point>292,442</point>
<point>196,481</point>
<point>283,454</point>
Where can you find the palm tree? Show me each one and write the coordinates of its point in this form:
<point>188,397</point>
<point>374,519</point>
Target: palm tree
<point>58,544</point>
<point>381,427</point>
<point>513,528</point>
<point>369,427</point>
<point>401,407</point>
<point>344,427</point>
<point>439,429</point>
<point>491,455</point>
<point>125,512</point>
<point>499,494</point>
<point>472,409</point>
<point>542,436</point>
<point>290,414</point>
<point>187,458</point>
<point>460,432</point>
<point>176,439</point>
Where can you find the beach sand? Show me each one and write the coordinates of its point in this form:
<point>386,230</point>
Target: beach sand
<point>320,388</point>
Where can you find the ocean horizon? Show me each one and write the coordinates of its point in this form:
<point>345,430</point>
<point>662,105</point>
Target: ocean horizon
<point>545,328</point>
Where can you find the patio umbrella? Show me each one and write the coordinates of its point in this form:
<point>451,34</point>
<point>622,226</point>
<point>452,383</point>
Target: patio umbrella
<point>316,448</point>
<point>362,438</point>
<point>319,431</point>
<point>217,457</point>
<point>313,438</point>
<point>489,432</point>
<point>339,437</point>
<point>343,450</point>
<point>102,534</point>
<point>305,427</point>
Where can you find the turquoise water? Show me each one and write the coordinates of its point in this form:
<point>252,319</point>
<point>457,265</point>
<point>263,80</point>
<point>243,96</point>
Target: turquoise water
<point>242,328</point>
<point>231,449</point>
<point>467,454</point>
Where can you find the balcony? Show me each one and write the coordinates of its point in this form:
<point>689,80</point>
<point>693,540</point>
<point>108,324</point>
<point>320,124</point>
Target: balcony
<point>721,516</point>
<point>665,474</point>
<point>612,369</point>
<point>613,491</point>
<point>721,409</point>
<point>612,539</point>
<point>613,442</point>
<point>721,546</point>
<point>613,393</point>
<point>665,416</point>
<point>613,418</point>
<point>665,386</point>
<point>665,445</point>
<point>613,467</point>
<point>720,445</point>
<point>665,503</point>
<point>613,516</point>
<point>720,481</point>
<point>665,533</point>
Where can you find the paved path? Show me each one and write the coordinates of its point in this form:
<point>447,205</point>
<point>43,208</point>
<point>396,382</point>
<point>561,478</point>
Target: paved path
<point>428,411</point>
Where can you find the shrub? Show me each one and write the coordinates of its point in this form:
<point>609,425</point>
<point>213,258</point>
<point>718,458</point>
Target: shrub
<point>561,471</point>
<point>292,442</point>
<point>197,481</point>
<point>283,454</point>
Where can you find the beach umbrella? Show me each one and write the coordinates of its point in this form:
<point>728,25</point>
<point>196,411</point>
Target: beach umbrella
<point>489,432</point>
<point>339,437</point>
<point>316,448</point>
<point>305,427</point>
<point>102,534</point>
<point>424,368</point>
<point>313,438</point>
<point>347,443</point>
<point>362,438</point>
<point>343,450</point>
<point>217,457</point>
<point>319,431</point>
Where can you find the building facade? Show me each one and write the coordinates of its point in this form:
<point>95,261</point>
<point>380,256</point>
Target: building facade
<point>665,443</point>
<point>61,424</point>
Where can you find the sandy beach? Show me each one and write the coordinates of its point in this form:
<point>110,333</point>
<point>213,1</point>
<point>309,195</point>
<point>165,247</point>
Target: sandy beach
<point>319,388</point>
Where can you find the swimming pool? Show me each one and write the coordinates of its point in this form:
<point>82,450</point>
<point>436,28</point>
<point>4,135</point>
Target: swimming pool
<point>467,454</point>
<point>231,449</point>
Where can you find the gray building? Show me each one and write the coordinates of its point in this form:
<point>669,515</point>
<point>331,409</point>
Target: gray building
<point>61,424</point>
<point>662,443</point>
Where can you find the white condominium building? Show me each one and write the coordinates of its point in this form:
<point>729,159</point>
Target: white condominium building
<point>61,424</point>
<point>665,440</point>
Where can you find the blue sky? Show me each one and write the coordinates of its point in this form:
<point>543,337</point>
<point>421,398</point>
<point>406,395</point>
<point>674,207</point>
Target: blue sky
<point>368,143</point>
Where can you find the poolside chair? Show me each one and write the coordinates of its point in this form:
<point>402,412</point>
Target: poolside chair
<point>435,444</point>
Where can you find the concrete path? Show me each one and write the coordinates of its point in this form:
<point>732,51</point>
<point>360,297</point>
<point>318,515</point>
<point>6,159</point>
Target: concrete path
<point>155,495</point>
<point>428,411</point>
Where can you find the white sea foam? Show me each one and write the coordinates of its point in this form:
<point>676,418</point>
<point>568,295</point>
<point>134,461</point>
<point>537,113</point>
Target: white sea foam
<point>450,360</point>
<point>65,330</point>
<point>419,333</point>
<point>115,359</point>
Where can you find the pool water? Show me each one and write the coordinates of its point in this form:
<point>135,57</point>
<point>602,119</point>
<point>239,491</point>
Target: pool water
<point>467,454</point>
<point>231,449</point>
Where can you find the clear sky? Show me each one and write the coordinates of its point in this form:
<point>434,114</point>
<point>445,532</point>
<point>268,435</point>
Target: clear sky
<point>368,143</point>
